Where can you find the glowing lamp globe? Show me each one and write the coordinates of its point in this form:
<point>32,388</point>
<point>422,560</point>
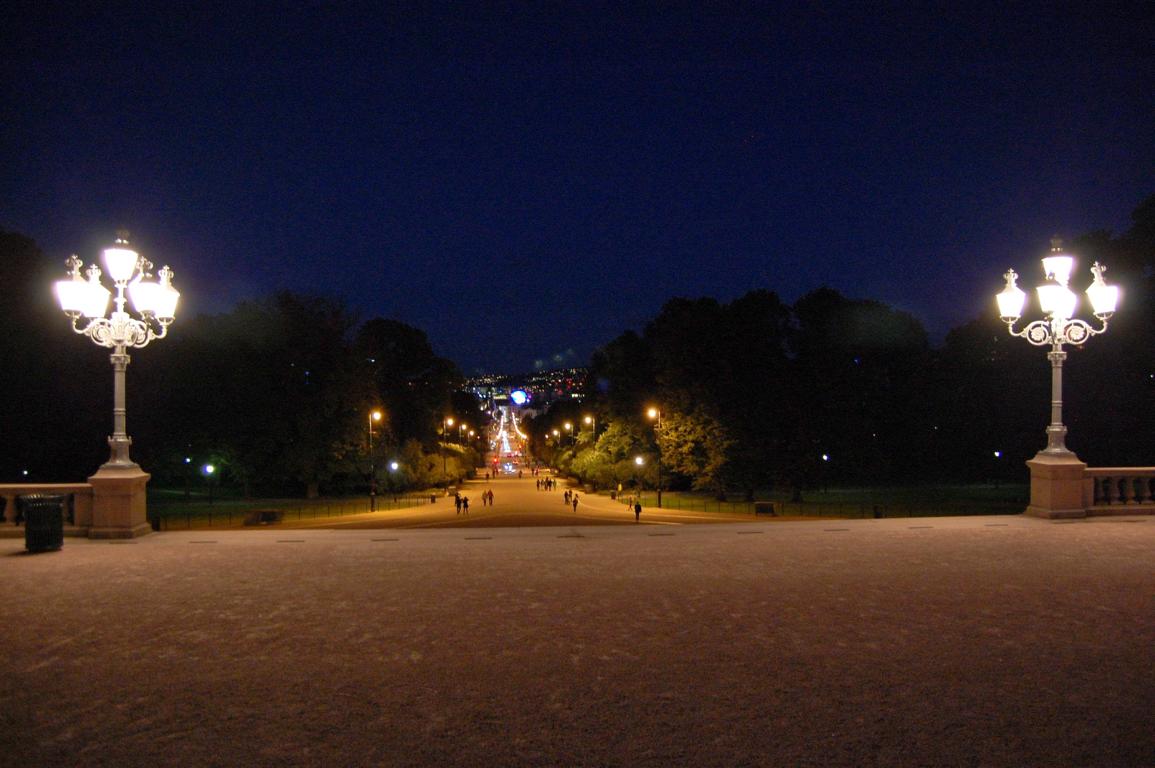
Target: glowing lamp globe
<point>82,297</point>
<point>1011,299</point>
<point>1057,300</point>
<point>1104,298</point>
<point>156,298</point>
<point>120,262</point>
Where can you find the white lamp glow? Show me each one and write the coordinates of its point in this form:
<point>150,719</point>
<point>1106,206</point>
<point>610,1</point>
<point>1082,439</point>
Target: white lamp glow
<point>1057,300</point>
<point>1012,298</point>
<point>1058,266</point>
<point>121,263</point>
<point>1104,298</point>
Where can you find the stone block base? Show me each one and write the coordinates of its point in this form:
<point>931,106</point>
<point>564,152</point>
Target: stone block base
<point>119,503</point>
<point>1057,487</point>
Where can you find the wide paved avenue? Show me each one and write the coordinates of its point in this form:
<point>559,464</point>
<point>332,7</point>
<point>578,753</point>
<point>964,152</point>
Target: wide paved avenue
<point>518,502</point>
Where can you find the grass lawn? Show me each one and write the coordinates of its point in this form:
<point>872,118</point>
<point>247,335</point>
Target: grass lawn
<point>859,502</point>
<point>173,509</point>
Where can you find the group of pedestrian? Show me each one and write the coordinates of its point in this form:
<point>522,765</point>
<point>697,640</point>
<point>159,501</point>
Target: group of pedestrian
<point>569,498</point>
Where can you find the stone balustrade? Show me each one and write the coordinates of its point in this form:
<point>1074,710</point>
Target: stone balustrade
<point>77,511</point>
<point>1119,490</point>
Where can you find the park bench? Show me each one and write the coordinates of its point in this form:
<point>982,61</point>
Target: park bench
<point>263,516</point>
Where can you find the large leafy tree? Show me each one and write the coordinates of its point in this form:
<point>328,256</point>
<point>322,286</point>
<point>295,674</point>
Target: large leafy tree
<point>56,388</point>
<point>858,365</point>
<point>415,386</point>
<point>270,386</point>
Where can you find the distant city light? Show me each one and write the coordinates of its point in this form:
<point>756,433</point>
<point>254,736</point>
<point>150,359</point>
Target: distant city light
<point>519,397</point>
<point>998,454</point>
<point>825,457</point>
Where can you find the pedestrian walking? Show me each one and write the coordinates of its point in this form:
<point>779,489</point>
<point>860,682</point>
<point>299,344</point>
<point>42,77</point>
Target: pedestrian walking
<point>457,502</point>
<point>575,500</point>
<point>465,504</point>
<point>565,497</point>
<point>637,511</point>
<point>491,499</point>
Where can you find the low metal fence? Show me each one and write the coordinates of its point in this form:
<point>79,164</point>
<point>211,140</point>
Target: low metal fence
<point>165,517</point>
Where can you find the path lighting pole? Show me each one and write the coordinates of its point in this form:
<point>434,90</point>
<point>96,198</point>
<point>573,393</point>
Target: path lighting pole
<point>119,504</point>
<point>569,428</point>
<point>373,416</point>
<point>1056,472</point>
<point>639,462</point>
<point>209,470</point>
<point>655,415</point>
<point>593,425</point>
<point>445,436</point>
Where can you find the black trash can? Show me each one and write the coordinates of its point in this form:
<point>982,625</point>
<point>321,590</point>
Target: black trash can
<point>43,515</point>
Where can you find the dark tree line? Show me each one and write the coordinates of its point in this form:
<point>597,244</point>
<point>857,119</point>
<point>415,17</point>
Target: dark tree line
<point>275,394</point>
<point>758,394</point>
<point>754,393</point>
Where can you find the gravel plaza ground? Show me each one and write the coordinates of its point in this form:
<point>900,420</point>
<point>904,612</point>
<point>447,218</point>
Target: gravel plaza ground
<point>985,641</point>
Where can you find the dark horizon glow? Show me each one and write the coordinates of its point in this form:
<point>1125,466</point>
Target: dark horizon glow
<point>524,186</point>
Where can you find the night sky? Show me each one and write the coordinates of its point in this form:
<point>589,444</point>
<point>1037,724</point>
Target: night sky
<point>525,182</point>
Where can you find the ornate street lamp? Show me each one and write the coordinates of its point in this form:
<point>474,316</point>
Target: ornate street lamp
<point>85,302</point>
<point>1058,303</point>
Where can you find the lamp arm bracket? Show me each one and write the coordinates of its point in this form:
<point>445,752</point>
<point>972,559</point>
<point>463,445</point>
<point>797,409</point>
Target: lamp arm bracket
<point>119,331</point>
<point>1037,333</point>
<point>1078,331</point>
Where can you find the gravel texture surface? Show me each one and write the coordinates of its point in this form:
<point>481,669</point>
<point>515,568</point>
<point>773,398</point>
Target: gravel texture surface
<point>936,642</point>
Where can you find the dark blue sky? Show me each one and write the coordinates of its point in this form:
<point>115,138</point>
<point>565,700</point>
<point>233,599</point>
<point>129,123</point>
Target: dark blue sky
<point>525,182</point>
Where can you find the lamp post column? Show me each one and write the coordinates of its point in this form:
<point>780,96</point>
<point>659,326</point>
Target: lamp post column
<point>120,442</point>
<point>1056,431</point>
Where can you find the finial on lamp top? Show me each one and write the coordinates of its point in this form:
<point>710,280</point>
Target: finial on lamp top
<point>74,265</point>
<point>1056,244</point>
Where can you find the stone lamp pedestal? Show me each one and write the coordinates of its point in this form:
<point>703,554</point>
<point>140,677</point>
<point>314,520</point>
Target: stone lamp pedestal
<point>1057,486</point>
<point>119,508</point>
